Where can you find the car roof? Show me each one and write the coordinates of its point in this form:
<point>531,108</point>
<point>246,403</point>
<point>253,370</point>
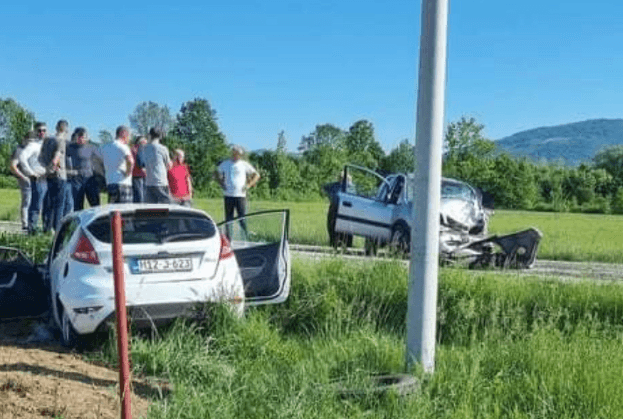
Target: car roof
<point>411,178</point>
<point>88,215</point>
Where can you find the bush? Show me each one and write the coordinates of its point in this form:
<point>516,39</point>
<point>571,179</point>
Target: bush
<point>617,202</point>
<point>600,205</point>
<point>8,182</point>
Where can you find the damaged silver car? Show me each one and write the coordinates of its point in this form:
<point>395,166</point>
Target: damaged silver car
<point>380,209</point>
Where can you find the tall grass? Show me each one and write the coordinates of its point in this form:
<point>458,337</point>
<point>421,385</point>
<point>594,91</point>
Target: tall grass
<point>508,347</point>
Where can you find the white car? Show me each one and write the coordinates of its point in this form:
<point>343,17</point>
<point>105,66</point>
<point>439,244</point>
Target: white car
<point>175,258</point>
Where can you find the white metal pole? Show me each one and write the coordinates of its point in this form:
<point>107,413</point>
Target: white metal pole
<point>422,303</point>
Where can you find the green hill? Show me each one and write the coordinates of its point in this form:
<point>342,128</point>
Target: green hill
<point>571,144</point>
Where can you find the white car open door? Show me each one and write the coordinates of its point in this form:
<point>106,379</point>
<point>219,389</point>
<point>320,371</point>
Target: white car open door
<point>260,244</point>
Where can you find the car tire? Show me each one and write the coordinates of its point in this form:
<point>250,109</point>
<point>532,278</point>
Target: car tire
<point>400,242</point>
<point>69,337</point>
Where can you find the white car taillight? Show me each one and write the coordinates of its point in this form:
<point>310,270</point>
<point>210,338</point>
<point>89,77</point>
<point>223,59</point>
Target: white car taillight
<point>226,250</point>
<point>84,251</point>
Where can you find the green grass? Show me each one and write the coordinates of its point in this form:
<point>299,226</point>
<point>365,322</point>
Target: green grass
<point>566,236</point>
<point>507,347</point>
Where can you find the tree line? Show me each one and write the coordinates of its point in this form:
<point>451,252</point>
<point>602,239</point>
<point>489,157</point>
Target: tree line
<point>514,183</point>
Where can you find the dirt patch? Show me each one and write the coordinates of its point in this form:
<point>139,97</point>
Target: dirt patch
<point>39,378</point>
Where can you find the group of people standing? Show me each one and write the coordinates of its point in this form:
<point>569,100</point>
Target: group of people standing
<point>56,173</point>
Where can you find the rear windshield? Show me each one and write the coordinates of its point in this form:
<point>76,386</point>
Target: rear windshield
<point>156,227</point>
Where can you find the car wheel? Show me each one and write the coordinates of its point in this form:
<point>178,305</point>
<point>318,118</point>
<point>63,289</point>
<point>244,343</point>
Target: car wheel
<point>400,241</point>
<point>69,337</point>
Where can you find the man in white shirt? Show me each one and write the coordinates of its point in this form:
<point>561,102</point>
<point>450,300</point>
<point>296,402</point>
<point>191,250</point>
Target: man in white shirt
<point>117,160</point>
<point>236,176</point>
<point>31,167</point>
<point>23,177</point>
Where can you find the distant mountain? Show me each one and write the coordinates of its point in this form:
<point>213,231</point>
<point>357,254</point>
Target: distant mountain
<point>570,143</point>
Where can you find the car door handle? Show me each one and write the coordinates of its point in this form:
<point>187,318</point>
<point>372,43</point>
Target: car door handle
<point>347,204</point>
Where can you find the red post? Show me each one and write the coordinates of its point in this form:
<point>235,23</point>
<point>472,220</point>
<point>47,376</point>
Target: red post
<point>122,318</point>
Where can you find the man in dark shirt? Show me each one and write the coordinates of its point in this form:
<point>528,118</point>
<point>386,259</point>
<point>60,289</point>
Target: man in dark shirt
<point>80,170</point>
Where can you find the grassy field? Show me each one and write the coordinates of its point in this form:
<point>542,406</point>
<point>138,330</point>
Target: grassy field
<point>566,236</point>
<point>506,348</point>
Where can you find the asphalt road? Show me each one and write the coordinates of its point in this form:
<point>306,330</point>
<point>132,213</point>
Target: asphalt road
<point>550,268</point>
<point>557,269</point>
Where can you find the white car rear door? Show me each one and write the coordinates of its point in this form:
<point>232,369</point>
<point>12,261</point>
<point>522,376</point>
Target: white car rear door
<point>260,244</point>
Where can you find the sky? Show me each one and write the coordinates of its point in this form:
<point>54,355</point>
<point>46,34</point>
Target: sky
<point>285,65</point>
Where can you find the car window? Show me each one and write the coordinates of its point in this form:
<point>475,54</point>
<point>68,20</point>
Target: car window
<point>64,236</point>
<point>363,182</point>
<point>456,190</point>
<point>156,227</point>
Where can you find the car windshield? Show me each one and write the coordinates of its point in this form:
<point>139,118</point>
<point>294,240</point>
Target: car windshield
<point>156,226</point>
<point>456,190</point>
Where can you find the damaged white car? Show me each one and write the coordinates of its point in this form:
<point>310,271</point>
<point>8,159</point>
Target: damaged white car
<point>380,209</point>
<point>175,259</point>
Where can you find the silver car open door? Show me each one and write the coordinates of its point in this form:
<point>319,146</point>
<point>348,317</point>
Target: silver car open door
<point>363,207</point>
<point>260,244</point>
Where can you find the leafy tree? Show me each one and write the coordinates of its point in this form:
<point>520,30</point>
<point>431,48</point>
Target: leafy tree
<point>326,134</point>
<point>197,133</point>
<point>323,164</point>
<point>611,160</point>
<point>15,122</point>
<point>279,171</point>
<point>400,160</point>
<point>148,115</point>
<point>281,142</point>
<point>464,139</point>
<point>362,146</point>
<point>105,136</point>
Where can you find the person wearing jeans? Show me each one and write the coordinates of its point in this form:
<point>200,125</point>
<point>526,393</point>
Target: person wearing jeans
<point>154,157</point>
<point>80,170</point>
<point>30,166</point>
<point>138,172</point>
<point>53,159</point>
<point>22,178</point>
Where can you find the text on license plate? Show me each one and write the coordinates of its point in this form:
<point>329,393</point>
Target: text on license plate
<point>165,265</point>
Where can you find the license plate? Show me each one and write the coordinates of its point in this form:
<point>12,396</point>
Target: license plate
<point>183,264</point>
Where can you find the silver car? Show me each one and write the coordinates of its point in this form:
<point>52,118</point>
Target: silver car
<point>380,210</point>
